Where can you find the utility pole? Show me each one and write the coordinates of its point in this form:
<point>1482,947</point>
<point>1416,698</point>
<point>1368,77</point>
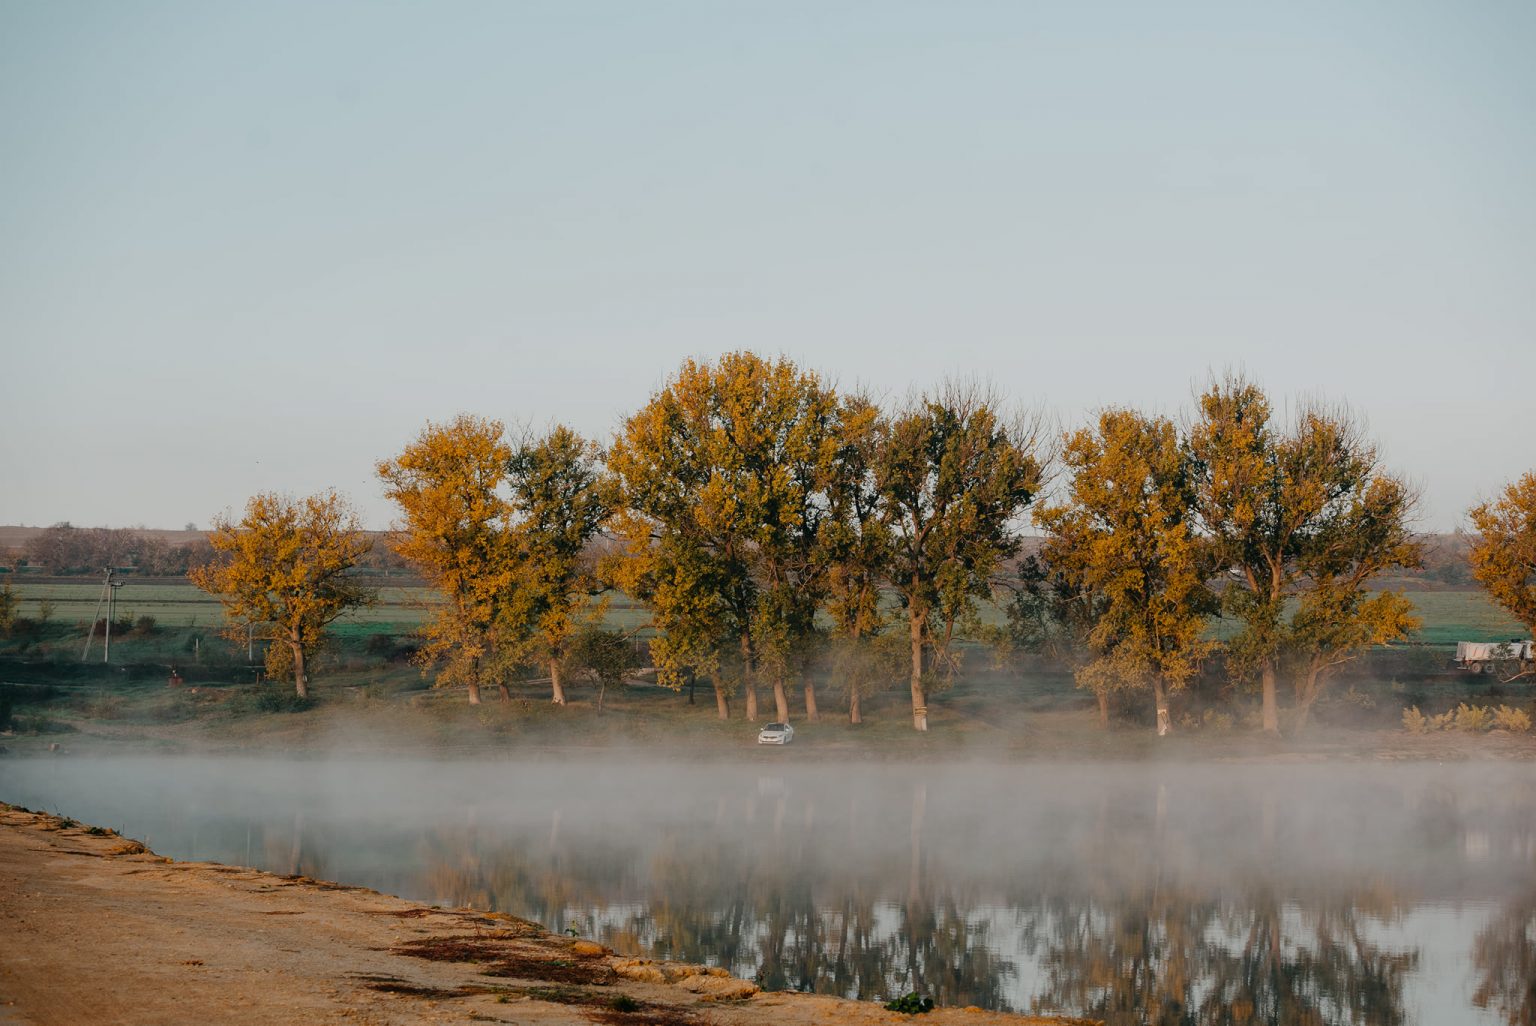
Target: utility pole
<point>112,586</point>
<point>106,590</point>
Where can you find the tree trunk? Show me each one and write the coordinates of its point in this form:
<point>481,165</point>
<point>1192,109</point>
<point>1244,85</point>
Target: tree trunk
<point>1160,697</point>
<point>1271,707</point>
<point>854,715</point>
<point>780,699</point>
<point>810,702</point>
<point>919,699</point>
<point>556,688</point>
<point>300,681</point>
<point>722,707</point>
<point>506,692</point>
<point>1103,698</point>
<point>746,676</point>
<point>474,693</point>
<point>1306,694</point>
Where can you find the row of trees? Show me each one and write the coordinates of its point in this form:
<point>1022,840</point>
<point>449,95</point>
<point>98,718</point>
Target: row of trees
<point>773,526</point>
<point>66,549</point>
<point>1280,528</point>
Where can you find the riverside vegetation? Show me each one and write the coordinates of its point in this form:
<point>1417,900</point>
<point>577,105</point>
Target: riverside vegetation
<point>763,530</point>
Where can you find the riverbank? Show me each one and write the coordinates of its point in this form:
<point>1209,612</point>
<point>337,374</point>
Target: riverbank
<point>102,930</point>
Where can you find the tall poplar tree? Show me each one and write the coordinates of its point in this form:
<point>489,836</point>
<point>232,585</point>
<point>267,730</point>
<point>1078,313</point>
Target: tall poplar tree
<point>720,477</point>
<point>856,552</point>
<point>955,477</point>
<point>561,497</point>
<point>1126,536</point>
<point>1283,507</point>
<point>451,485</point>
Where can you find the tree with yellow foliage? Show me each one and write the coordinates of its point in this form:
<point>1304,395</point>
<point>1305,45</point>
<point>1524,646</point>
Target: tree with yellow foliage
<point>856,551</point>
<point>1301,518</point>
<point>955,478</point>
<point>282,571</point>
<point>1337,612</point>
<point>1504,554</point>
<point>451,485</point>
<point>1126,537</point>
<point>561,497</point>
<point>721,475</point>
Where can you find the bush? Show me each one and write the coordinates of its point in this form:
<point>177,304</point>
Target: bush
<point>271,698</point>
<point>1473,719</point>
<point>144,625</point>
<point>911,1004</point>
<point>1516,720</point>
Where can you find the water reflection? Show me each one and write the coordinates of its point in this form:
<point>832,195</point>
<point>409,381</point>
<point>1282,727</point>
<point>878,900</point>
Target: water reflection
<point>1165,895</point>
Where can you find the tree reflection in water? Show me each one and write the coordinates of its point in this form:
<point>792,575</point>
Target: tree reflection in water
<point>1117,927</point>
<point>1139,894</point>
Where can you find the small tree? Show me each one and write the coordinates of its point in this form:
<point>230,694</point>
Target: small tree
<point>283,570</point>
<point>1504,554</point>
<point>604,657</point>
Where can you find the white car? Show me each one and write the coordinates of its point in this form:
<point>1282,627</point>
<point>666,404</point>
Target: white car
<point>776,734</point>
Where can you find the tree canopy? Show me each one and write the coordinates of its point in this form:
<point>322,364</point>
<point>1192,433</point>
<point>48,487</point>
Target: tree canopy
<point>282,573</point>
<point>1504,553</point>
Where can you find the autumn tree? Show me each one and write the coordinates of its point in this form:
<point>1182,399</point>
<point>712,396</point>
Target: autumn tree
<point>561,497</point>
<point>1283,507</point>
<point>282,572</point>
<point>451,486</point>
<point>1337,615</point>
<point>1125,541</point>
<point>1503,556</point>
<point>720,475</point>
<point>856,552</point>
<point>955,477</point>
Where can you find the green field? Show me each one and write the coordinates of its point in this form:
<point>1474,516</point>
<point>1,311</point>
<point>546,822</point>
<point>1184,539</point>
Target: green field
<point>176,603</point>
<point>1449,616</point>
<point>1452,616</point>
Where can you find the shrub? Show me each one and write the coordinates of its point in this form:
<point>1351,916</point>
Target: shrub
<point>1507,718</point>
<point>1473,719</point>
<point>910,1004</point>
<point>144,625</point>
<point>271,698</point>
<point>1218,720</point>
<point>1415,722</point>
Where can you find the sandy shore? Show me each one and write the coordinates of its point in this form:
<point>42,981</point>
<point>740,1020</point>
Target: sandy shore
<point>99,930</point>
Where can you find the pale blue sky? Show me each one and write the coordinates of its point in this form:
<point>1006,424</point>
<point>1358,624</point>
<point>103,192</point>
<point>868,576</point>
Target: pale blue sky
<point>256,246</point>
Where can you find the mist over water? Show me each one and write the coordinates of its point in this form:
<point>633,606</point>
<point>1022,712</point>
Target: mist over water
<point>1212,893</point>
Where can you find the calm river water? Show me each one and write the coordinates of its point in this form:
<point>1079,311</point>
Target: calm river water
<point>1136,893</point>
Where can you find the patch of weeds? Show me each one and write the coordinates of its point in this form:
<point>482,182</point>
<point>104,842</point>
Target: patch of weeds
<point>500,961</point>
<point>625,1003</point>
<point>910,1004</point>
<point>269,698</point>
<point>96,831</point>
<point>648,1015</point>
<point>40,725</point>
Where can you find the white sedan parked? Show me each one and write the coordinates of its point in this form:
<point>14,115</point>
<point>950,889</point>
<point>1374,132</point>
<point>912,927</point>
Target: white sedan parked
<point>776,734</point>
